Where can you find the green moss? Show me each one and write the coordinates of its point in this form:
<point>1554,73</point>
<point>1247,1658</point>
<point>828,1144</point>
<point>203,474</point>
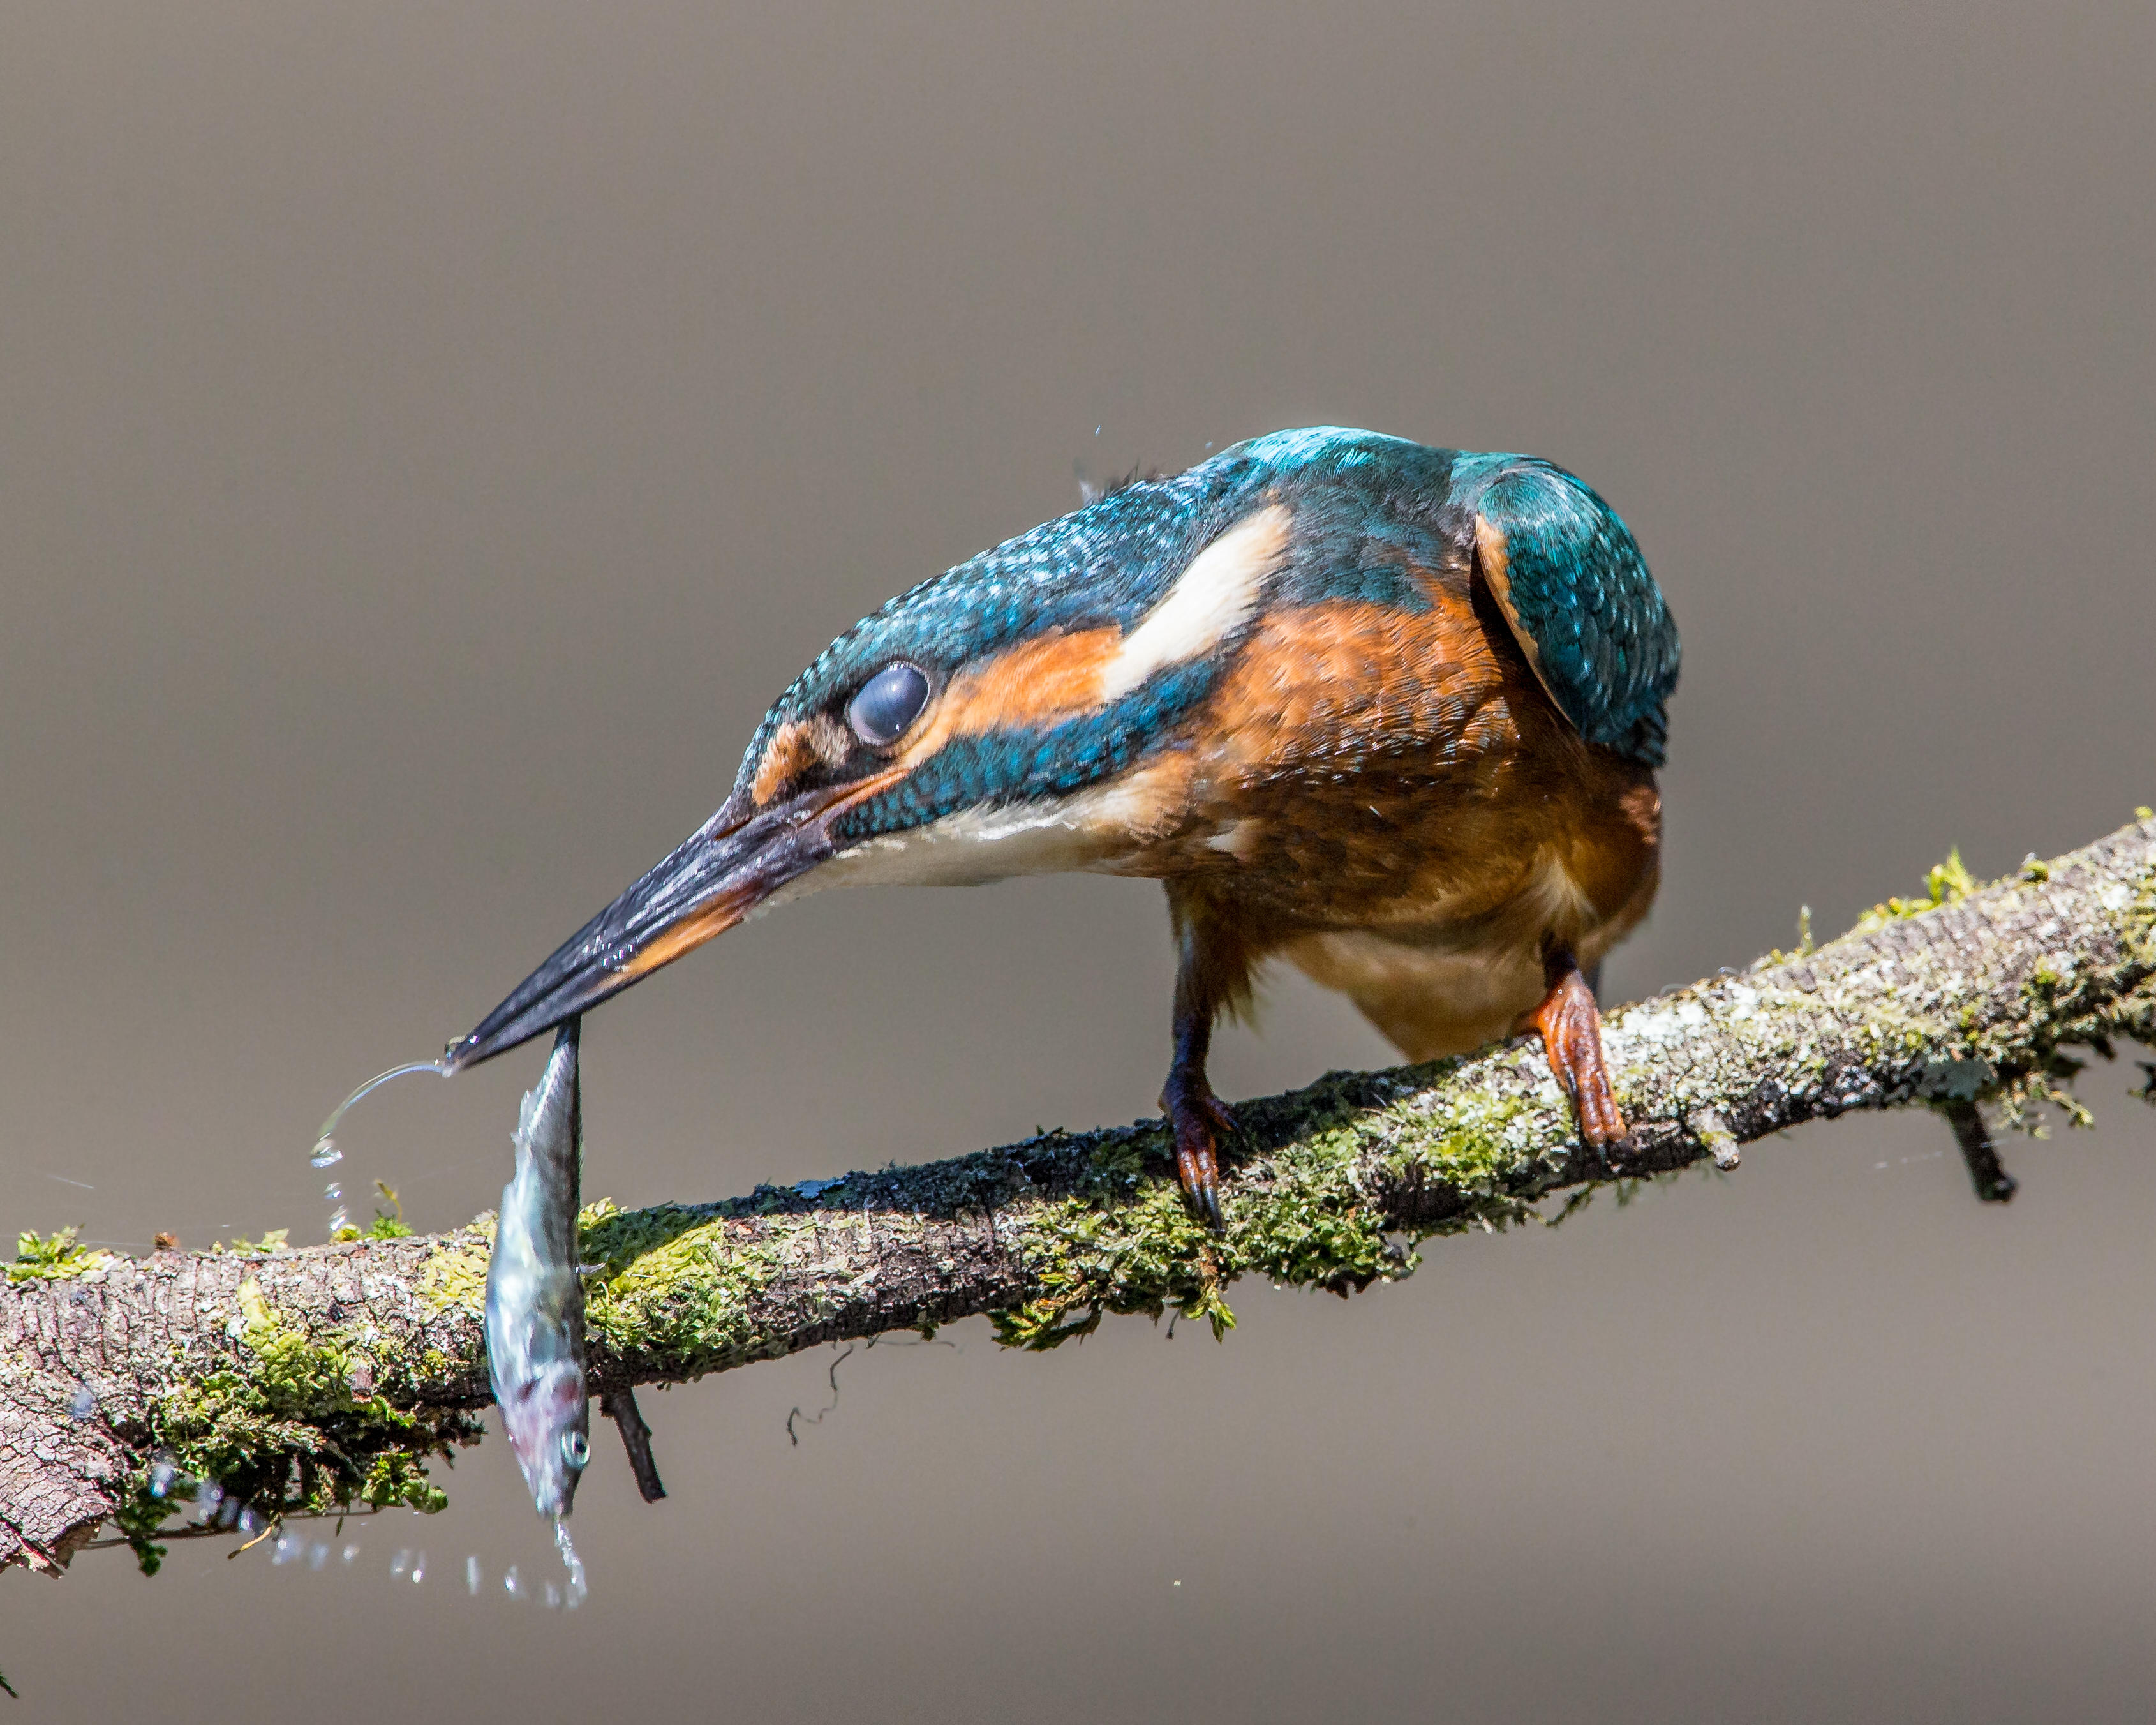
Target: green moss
<point>285,1427</point>
<point>1314,1228</point>
<point>1088,1258</point>
<point>56,1256</point>
<point>1483,1144</point>
<point>1947,883</point>
<point>671,1280</point>
<point>2141,922</point>
<point>2022,1105</point>
<point>273,1242</point>
<point>397,1477</point>
<point>454,1275</point>
<point>1306,1213</point>
<point>141,1512</point>
<point>389,1224</point>
<point>1125,1242</point>
<point>295,1374</point>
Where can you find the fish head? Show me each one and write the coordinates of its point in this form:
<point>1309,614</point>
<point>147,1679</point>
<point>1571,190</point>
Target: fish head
<point>548,1420</point>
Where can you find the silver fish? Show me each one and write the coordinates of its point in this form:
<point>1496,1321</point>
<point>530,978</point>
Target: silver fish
<point>534,1300</point>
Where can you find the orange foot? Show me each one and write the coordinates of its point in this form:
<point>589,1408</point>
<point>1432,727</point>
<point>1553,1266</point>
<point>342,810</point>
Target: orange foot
<point>1199,1119</point>
<point>1571,1024</point>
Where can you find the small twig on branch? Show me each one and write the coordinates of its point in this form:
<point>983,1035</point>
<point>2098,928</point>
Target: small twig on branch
<point>305,1380</point>
<point>1992,1183</point>
<point>619,1406</point>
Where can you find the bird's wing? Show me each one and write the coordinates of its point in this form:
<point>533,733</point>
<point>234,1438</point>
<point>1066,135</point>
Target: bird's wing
<point>1564,570</point>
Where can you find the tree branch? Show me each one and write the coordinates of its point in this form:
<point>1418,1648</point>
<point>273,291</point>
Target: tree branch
<point>321,1377</point>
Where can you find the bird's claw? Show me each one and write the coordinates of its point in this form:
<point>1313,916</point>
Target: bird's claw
<point>1571,1026</point>
<point>1199,1120</point>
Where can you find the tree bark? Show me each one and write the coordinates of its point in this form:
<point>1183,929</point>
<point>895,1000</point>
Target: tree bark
<point>311,1379</point>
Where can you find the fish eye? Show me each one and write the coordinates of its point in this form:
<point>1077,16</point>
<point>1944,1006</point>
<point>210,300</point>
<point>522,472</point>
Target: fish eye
<point>575,1448</point>
<point>888,702</point>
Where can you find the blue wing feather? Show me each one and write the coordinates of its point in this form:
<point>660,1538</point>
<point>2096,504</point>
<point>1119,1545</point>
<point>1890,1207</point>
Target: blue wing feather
<point>1571,581</point>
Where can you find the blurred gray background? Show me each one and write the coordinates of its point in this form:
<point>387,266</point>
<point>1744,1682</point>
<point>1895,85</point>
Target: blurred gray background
<point>429,437</point>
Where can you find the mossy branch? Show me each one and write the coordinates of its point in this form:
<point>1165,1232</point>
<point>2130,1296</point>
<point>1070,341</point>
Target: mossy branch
<point>314,1379</point>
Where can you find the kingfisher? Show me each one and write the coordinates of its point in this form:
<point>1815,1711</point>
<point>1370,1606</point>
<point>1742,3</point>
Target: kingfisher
<point>1391,713</point>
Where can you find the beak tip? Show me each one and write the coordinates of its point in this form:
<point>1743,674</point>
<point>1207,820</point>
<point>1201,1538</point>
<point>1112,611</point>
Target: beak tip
<point>500,1032</point>
<point>708,883</point>
<point>497,1033</point>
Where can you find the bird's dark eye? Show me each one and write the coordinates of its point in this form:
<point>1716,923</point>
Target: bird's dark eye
<point>889,702</point>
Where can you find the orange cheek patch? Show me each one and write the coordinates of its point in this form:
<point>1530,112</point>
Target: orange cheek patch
<point>1034,683</point>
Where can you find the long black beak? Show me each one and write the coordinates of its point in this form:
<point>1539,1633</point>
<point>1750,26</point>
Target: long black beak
<point>728,867</point>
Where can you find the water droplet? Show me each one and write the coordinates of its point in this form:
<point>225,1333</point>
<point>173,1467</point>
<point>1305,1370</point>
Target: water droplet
<point>162,1475</point>
<point>286,1547</point>
<point>208,1495</point>
<point>317,1555</point>
<point>420,1569</point>
<point>471,1575</point>
<point>512,1583</point>
<point>325,1148</point>
<point>553,1597</point>
<point>340,1219</point>
<point>333,1191</point>
<point>349,1553</point>
<point>229,1514</point>
<point>401,1561</point>
<point>250,1524</point>
<point>84,1402</point>
<point>571,1561</point>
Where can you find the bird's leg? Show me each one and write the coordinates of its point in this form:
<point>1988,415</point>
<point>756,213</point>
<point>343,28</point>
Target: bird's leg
<point>1571,1026</point>
<point>1213,970</point>
<point>1198,1116</point>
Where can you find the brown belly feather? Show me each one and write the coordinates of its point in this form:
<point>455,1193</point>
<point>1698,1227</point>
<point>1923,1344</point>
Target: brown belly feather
<point>1390,801</point>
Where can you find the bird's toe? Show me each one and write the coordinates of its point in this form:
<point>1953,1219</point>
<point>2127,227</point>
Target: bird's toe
<point>1198,1120</point>
<point>1571,1026</point>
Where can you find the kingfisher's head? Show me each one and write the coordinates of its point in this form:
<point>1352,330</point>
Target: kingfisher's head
<point>1017,714</point>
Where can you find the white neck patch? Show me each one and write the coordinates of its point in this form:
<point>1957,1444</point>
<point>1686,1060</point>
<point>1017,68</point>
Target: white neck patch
<point>1211,599</point>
